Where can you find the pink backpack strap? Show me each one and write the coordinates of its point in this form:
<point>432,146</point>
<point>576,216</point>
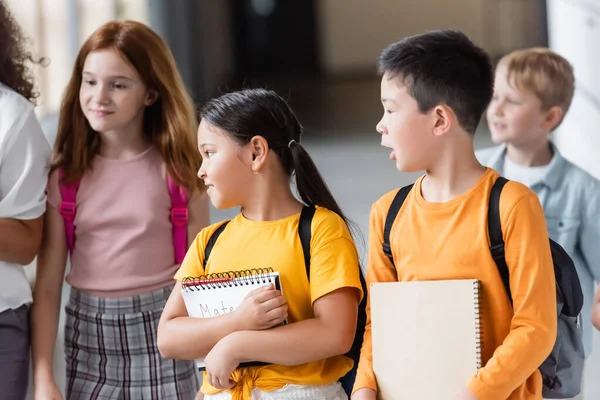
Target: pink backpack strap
<point>68,207</point>
<point>179,218</point>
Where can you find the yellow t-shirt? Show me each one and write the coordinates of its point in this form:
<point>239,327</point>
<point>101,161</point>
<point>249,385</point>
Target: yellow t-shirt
<point>246,244</point>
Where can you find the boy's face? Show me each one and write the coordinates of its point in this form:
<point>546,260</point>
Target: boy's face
<point>403,128</point>
<point>516,116</point>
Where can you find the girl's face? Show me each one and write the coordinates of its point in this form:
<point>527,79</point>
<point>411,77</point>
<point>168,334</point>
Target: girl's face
<point>226,176</point>
<point>112,95</point>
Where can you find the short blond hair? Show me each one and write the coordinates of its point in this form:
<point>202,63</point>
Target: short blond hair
<point>548,75</point>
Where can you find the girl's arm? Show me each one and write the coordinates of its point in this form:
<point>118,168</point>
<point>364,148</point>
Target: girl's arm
<point>199,215</point>
<point>183,337</point>
<point>47,292</point>
<point>330,333</point>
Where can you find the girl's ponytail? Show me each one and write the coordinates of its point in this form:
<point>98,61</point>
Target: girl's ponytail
<point>312,189</point>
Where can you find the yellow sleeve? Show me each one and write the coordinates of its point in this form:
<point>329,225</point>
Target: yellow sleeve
<point>379,269</point>
<point>533,327</point>
<point>192,264</point>
<point>334,258</point>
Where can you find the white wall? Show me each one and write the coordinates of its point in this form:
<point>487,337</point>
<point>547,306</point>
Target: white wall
<point>574,29</point>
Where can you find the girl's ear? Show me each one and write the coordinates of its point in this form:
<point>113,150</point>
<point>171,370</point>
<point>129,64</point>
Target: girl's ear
<point>151,98</point>
<point>259,149</point>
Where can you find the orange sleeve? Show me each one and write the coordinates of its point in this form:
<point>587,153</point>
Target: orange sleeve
<point>379,269</point>
<point>533,327</point>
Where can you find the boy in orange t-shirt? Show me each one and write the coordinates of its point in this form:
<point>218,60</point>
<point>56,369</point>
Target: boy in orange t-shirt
<point>434,89</point>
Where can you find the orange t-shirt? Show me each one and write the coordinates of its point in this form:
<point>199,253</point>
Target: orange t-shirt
<point>433,241</point>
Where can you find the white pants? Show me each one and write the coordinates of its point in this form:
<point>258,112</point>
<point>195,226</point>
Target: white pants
<point>333,391</point>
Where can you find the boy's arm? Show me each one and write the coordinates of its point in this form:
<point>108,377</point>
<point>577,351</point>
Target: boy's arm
<point>596,309</point>
<point>379,269</point>
<point>533,327</point>
<point>23,176</point>
<point>590,231</point>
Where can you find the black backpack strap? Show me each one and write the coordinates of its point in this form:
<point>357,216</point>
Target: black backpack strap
<point>391,217</point>
<point>305,233</point>
<point>211,242</point>
<point>495,234</point>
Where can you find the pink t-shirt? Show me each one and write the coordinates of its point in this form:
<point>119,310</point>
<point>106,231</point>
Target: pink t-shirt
<point>123,236</point>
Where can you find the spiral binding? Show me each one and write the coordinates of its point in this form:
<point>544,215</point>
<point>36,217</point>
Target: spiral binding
<point>228,279</point>
<point>479,325</point>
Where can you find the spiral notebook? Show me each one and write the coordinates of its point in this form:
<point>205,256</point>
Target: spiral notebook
<point>216,294</point>
<point>426,337</point>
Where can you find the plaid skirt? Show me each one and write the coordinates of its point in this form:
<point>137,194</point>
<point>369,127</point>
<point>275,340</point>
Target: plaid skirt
<point>111,351</point>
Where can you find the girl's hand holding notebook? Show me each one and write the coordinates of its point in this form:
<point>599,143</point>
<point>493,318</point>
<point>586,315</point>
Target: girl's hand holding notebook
<point>253,299</point>
<point>262,308</point>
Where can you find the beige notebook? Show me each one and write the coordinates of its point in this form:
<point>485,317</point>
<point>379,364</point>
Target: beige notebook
<point>426,338</point>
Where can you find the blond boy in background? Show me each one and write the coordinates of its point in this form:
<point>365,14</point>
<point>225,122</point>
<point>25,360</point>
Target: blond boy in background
<point>533,91</point>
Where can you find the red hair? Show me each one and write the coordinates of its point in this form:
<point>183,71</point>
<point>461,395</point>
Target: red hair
<point>169,123</point>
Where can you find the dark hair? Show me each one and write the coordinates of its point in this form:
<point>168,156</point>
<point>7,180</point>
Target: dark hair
<point>443,67</point>
<point>14,56</point>
<point>260,112</point>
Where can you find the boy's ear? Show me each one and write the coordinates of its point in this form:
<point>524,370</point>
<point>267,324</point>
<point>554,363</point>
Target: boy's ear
<point>553,116</point>
<point>443,117</point>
